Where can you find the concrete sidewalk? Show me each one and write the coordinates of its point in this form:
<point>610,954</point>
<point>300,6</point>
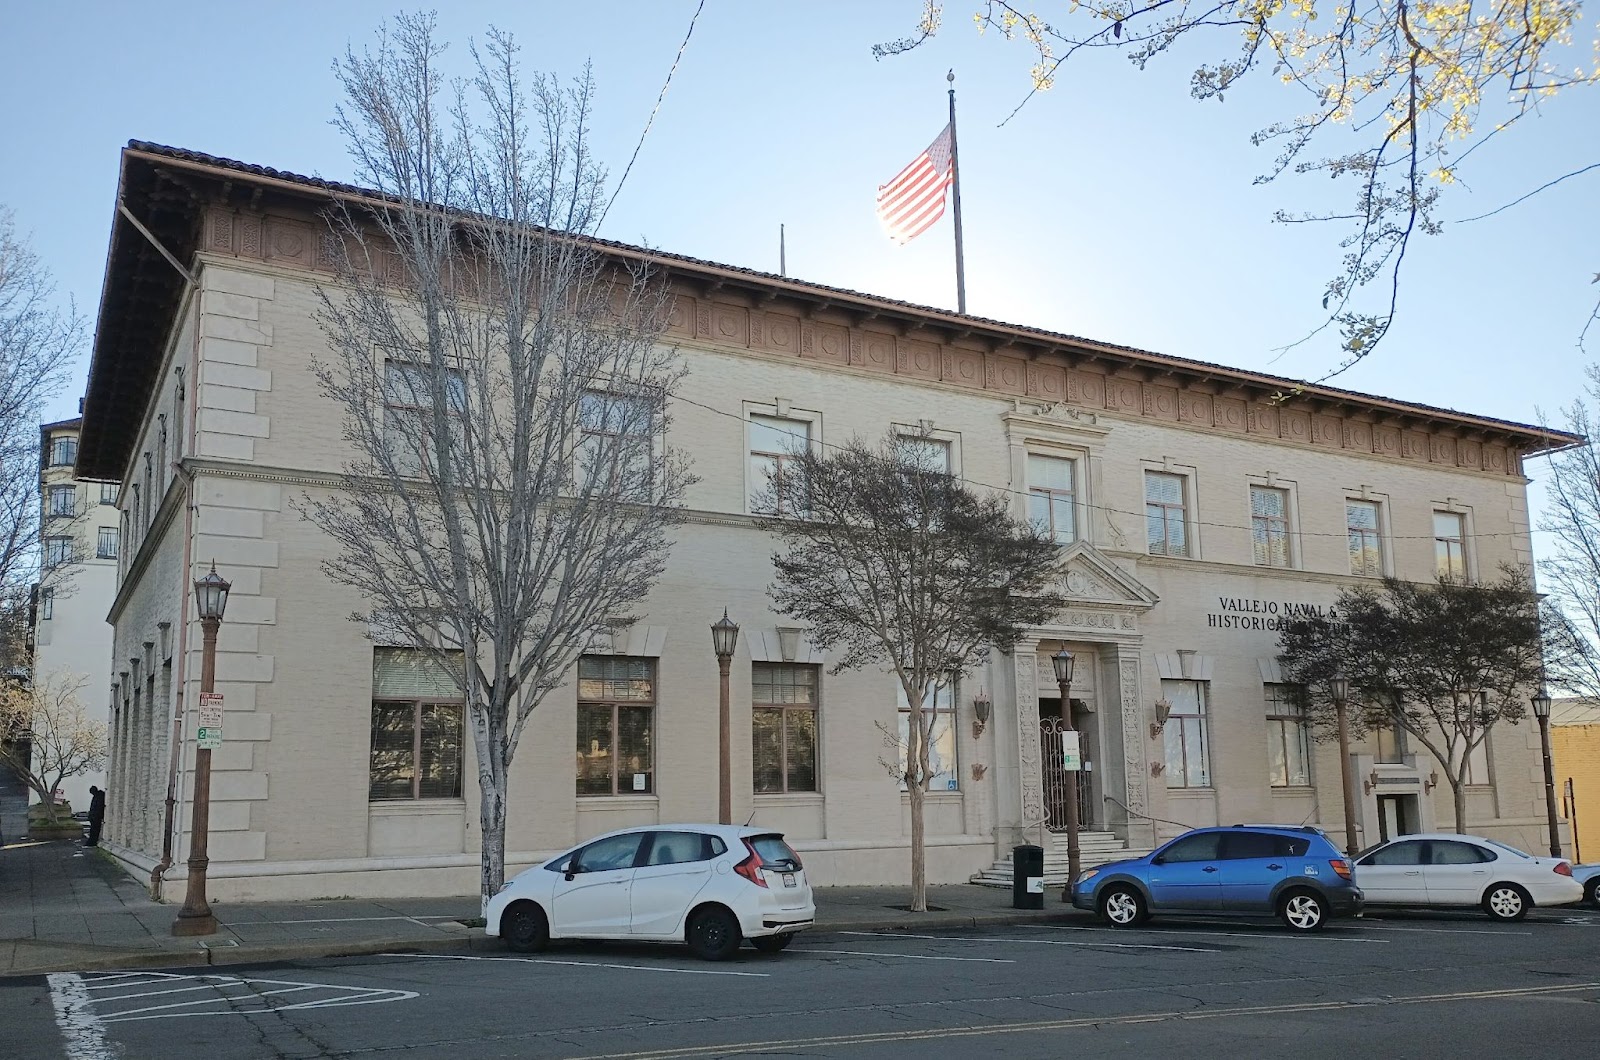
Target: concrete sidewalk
<point>65,907</point>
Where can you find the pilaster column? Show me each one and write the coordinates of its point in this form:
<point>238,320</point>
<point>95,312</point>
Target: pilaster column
<point>1135,760</point>
<point>1030,771</point>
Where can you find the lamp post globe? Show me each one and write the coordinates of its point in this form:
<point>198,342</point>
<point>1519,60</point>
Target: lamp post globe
<point>211,594</point>
<point>1062,661</point>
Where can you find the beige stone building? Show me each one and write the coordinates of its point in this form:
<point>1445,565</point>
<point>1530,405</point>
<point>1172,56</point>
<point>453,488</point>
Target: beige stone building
<point>1198,505</point>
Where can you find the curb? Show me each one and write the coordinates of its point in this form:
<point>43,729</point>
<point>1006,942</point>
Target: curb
<point>476,940</point>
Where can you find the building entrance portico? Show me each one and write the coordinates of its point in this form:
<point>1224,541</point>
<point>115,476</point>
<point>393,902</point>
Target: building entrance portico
<point>1100,627</point>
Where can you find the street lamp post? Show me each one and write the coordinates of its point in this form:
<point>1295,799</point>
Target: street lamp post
<point>1541,710</point>
<point>1339,689</point>
<point>724,638</point>
<point>1062,661</point>
<point>211,597</point>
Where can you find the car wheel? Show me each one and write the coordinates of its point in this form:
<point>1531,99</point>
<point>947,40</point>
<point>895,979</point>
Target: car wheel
<point>1591,891</point>
<point>1303,911</point>
<point>1506,901</point>
<point>773,943</point>
<point>1123,906</point>
<point>524,927</point>
<point>714,934</point>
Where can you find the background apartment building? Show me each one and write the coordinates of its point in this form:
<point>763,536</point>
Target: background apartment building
<point>79,530</point>
<point>1196,506</point>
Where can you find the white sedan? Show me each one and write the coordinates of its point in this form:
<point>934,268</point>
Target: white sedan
<point>1446,869</point>
<point>708,885</point>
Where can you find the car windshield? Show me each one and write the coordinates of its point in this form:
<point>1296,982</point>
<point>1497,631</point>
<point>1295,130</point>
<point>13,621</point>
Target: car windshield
<point>1514,850</point>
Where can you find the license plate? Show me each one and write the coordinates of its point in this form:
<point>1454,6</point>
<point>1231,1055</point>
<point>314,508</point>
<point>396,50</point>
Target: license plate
<point>788,879</point>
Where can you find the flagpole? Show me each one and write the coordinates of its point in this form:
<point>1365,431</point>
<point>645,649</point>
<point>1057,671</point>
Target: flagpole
<point>955,190</point>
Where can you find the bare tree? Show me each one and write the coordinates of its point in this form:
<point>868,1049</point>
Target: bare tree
<point>46,735</point>
<point>1404,91</point>
<point>37,344</point>
<point>1445,661</point>
<point>503,385</point>
<point>892,561</point>
<point>1571,570</point>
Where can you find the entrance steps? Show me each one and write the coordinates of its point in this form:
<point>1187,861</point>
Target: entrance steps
<point>1094,848</point>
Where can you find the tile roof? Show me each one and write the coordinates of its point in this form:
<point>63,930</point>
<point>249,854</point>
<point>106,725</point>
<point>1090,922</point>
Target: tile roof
<point>1550,438</point>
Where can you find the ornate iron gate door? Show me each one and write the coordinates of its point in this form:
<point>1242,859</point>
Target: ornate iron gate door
<point>1059,783</point>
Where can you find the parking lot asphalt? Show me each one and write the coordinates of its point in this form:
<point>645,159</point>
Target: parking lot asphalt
<point>1396,985</point>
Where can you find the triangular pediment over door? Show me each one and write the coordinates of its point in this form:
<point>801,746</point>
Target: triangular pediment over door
<point>1090,578</point>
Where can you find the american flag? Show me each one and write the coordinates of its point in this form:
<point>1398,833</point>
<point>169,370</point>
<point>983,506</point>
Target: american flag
<point>910,203</point>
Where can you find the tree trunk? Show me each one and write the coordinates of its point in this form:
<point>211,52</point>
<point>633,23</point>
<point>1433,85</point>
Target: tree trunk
<point>919,866</point>
<point>1459,792</point>
<point>492,863</point>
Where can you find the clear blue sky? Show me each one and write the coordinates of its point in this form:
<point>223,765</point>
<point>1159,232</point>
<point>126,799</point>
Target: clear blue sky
<point>1113,207</point>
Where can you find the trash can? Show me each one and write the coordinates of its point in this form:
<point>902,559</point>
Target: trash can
<point>1027,877</point>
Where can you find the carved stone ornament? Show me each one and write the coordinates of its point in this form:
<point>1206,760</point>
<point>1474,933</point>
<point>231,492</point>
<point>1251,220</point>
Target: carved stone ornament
<point>1028,736</point>
<point>1132,742</point>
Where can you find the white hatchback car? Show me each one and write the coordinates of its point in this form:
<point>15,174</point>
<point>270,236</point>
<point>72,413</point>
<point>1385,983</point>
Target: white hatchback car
<point>709,885</point>
<point>1446,869</point>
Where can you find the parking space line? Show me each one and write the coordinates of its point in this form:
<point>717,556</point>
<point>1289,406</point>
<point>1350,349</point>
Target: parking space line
<point>1098,1022</point>
<point>132,1013</point>
<point>1439,931</point>
<point>1304,937</point>
<point>80,1028</point>
<point>580,964</point>
<point>907,956</point>
<point>1033,942</point>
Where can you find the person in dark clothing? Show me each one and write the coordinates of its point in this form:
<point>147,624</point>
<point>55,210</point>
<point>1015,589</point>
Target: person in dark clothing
<point>97,815</point>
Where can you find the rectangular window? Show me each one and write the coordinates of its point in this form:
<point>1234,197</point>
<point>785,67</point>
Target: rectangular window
<point>1288,738</point>
<point>1450,545</point>
<point>784,731</point>
<point>106,545</point>
<point>417,734</point>
<point>47,604</point>
<point>1366,548</point>
<point>1165,514</point>
<point>63,451</point>
<point>57,551</point>
<point>941,740</point>
<point>1269,526</point>
<point>925,454</point>
<point>617,449</point>
<point>1391,743</point>
<point>1478,764</point>
<point>775,446</point>
<point>616,725</point>
<point>63,500</point>
<point>108,492</point>
<point>408,406</point>
<point>1188,760</point>
<point>1052,503</point>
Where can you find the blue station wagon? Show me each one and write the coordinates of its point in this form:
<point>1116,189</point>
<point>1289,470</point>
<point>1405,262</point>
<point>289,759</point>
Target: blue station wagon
<point>1291,872</point>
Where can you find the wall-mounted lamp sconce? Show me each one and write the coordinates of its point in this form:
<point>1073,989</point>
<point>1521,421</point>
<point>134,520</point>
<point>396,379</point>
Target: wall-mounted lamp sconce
<point>1157,768</point>
<point>1370,783</point>
<point>1431,783</point>
<point>982,707</point>
<point>1163,712</point>
<point>978,770</point>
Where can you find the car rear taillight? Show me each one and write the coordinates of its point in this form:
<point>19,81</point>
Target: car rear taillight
<point>1341,867</point>
<point>1563,869</point>
<point>750,867</point>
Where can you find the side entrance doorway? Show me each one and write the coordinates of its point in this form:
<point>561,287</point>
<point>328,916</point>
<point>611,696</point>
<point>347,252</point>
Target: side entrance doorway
<point>1397,816</point>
